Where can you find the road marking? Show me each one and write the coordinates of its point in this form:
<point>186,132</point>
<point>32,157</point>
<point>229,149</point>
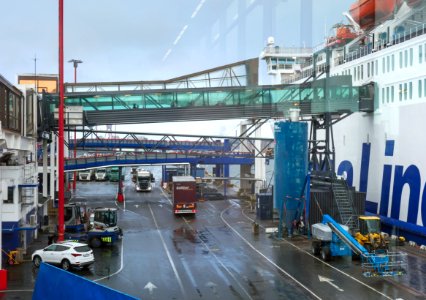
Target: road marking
<point>212,252</point>
<point>150,286</point>
<point>121,263</point>
<point>167,196</point>
<point>213,286</point>
<point>264,256</point>
<point>327,264</point>
<point>220,262</point>
<point>168,254</point>
<point>189,273</point>
<point>329,281</point>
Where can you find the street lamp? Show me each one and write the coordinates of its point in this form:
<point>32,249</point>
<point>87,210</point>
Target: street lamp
<point>75,64</point>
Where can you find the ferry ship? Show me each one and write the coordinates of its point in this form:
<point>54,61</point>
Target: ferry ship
<point>381,152</point>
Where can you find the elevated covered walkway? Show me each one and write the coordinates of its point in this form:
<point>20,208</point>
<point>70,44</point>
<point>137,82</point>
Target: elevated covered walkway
<point>227,92</point>
<point>153,158</point>
<point>148,142</point>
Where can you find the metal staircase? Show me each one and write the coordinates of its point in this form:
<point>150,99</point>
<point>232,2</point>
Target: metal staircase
<point>343,199</point>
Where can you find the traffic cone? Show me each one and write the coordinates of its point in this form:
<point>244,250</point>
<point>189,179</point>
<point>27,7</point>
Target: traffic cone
<point>120,197</point>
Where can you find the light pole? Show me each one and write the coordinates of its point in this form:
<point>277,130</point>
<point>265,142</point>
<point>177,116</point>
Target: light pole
<point>75,64</point>
<point>61,225</point>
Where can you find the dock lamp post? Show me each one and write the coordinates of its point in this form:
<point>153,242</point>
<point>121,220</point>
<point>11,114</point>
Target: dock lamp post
<point>61,225</point>
<point>75,63</point>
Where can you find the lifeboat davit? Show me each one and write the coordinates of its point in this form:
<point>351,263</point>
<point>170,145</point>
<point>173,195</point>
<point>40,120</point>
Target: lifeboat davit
<point>368,13</point>
<point>413,3</point>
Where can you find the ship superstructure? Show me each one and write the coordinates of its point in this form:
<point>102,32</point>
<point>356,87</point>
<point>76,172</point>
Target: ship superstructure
<point>380,153</point>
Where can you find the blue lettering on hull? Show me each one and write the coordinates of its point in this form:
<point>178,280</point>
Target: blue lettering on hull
<point>402,177</point>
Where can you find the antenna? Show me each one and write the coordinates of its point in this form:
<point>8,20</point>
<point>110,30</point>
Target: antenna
<point>35,74</point>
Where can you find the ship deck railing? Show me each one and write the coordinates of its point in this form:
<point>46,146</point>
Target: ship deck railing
<point>364,51</point>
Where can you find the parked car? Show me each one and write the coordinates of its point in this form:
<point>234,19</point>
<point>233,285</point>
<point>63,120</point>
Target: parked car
<point>65,254</point>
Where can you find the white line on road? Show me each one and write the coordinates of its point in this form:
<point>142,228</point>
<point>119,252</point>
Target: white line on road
<point>212,253</point>
<point>168,254</point>
<point>265,257</point>
<point>121,264</point>
<point>329,281</point>
<point>327,264</point>
<point>221,263</point>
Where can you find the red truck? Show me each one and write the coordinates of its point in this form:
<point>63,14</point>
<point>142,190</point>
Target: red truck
<point>184,195</point>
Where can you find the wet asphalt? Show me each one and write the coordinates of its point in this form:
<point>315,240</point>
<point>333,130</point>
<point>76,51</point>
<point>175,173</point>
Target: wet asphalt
<point>214,255</point>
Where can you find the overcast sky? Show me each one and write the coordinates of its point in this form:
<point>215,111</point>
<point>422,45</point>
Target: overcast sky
<point>121,40</point>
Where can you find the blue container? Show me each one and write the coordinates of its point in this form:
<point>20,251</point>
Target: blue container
<point>291,168</point>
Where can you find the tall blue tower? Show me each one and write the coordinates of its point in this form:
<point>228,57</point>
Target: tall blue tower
<point>291,168</point>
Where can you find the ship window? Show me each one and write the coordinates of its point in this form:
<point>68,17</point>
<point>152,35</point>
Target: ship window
<point>400,92</point>
<point>359,72</point>
<point>424,88</point>
<point>420,88</point>
<point>368,70</point>
<point>411,56</point>
<point>387,94</point>
<point>410,89</point>
<point>405,91</point>
<point>362,72</point>
<point>377,67</point>
<point>392,93</point>
<point>372,68</point>
<point>383,65</point>
<point>393,62</point>
<point>406,58</point>
<point>388,63</point>
<point>420,54</point>
<point>383,95</point>
<point>355,73</point>
<point>10,192</point>
<point>400,60</point>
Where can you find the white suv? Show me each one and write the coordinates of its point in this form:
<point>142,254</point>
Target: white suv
<point>65,254</point>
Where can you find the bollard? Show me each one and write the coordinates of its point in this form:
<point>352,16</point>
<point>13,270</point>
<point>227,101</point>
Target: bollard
<point>255,228</point>
<point>3,279</point>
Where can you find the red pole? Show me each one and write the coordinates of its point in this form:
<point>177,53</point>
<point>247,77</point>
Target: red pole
<point>61,124</point>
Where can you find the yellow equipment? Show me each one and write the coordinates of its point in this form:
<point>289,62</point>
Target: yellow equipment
<point>370,234</point>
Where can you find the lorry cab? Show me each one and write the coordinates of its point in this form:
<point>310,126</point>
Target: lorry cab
<point>143,181</point>
<point>101,174</point>
<point>114,174</point>
<point>85,175</point>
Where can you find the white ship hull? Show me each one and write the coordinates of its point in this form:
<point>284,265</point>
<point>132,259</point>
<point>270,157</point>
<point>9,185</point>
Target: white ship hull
<point>380,153</point>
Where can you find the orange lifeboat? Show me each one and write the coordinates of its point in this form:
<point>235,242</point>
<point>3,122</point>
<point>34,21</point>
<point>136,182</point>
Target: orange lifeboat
<point>344,34</point>
<point>368,13</point>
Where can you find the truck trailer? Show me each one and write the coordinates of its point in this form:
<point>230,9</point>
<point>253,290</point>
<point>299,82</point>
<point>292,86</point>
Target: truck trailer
<point>184,195</point>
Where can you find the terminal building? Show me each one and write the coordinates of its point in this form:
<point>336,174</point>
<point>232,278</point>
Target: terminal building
<point>18,165</point>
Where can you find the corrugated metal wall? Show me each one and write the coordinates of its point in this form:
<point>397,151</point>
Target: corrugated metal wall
<point>321,202</point>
